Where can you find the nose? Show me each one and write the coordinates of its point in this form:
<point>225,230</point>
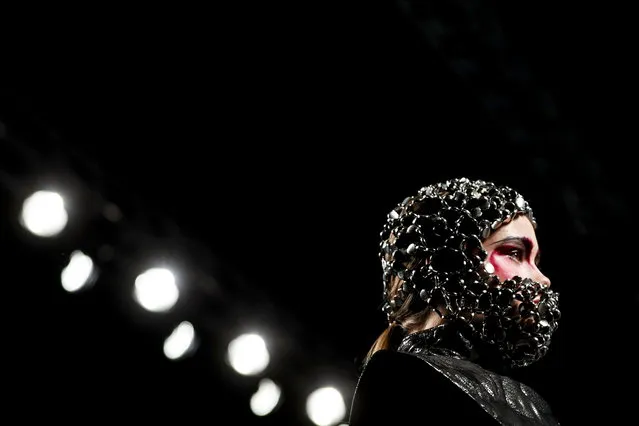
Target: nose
<point>541,278</point>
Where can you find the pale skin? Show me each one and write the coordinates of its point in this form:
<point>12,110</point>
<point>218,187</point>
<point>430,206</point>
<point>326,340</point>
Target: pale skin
<point>512,250</point>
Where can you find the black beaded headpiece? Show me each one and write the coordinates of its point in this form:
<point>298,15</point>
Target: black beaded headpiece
<point>432,243</point>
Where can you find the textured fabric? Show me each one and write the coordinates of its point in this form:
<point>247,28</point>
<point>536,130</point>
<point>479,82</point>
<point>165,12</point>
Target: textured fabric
<point>506,400</point>
<point>397,388</point>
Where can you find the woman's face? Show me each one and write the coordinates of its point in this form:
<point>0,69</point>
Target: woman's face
<point>513,251</point>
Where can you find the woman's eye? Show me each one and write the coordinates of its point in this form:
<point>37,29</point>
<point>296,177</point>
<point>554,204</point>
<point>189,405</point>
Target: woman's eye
<point>515,253</point>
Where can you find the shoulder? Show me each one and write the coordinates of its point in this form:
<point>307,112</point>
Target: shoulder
<point>399,388</point>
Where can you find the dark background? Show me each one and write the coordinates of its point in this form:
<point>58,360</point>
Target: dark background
<point>261,146</point>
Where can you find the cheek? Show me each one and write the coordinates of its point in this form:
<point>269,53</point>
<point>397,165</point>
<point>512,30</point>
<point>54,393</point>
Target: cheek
<point>504,268</point>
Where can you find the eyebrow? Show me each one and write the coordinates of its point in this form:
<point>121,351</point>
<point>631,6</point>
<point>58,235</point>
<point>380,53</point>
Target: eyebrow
<point>525,241</point>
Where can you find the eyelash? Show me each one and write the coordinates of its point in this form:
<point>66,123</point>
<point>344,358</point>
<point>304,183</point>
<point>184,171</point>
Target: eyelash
<point>516,254</point>
<point>519,253</point>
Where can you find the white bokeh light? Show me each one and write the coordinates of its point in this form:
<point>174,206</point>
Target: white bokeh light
<point>325,406</point>
<point>44,214</point>
<point>266,398</point>
<point>180,342</point>
<point>78,273</point>
<point>156,290</point>
<point>248,354</point>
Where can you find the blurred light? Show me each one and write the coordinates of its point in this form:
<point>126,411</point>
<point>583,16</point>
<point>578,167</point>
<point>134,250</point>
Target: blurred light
<point>44,214</point>
<point>266,398</point>
<point>155,290</point>
<point>180,342</point>
<point>78,273</point>
<point>325,406</point>
<point>248,354</point>
<point>112,212</point>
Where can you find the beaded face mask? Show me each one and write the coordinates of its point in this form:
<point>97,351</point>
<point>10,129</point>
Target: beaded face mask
<point>432,242</point>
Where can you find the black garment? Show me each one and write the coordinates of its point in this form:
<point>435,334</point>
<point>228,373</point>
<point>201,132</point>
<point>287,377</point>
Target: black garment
<point>436,377</point>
